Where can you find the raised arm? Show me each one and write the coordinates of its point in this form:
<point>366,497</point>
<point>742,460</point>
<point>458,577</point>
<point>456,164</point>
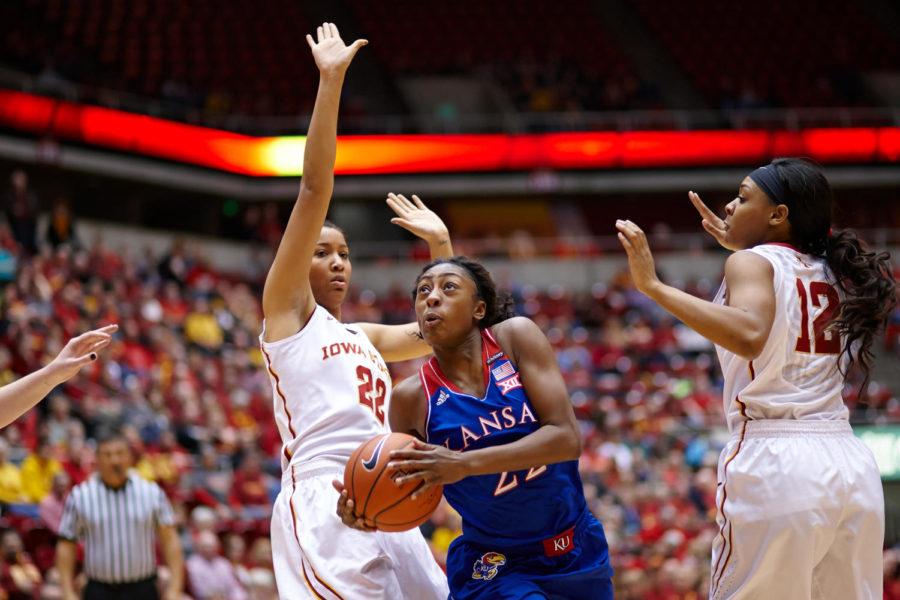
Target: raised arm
<point>741,326</point>
<point>20,395</point>
<point>287,296</point>
<point>558,438</point>
<point>402,342</point>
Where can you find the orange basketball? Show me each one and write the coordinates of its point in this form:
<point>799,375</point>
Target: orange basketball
<point>370,484</point>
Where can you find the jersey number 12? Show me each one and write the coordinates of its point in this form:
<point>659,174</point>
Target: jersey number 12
<point>827,341</point>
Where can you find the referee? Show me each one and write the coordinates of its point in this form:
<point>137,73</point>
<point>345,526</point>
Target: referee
<point>118,515</point>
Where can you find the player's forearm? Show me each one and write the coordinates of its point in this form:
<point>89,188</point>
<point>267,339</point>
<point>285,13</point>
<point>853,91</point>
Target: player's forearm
<point>440,247</point>
<point>20,395</point>
<point>321,140</point>
<point>548,445</point>
<point>730,327</point>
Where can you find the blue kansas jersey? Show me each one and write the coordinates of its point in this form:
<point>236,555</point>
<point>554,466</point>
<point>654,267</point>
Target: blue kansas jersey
<point>532,523</point>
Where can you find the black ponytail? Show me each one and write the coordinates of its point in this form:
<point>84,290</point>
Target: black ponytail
<point>864,277</point>
<point>498,306</point>
<point>869,296</point>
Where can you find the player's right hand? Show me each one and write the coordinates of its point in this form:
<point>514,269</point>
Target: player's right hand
<point>345,509</point>
<point>711,222</point>
<point>331,54</point>
<point>417,218</point>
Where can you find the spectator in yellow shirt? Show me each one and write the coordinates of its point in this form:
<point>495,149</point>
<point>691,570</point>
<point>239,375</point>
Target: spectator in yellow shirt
<point>38,471</point>
<point>201,327</point>
<point>11,490</point>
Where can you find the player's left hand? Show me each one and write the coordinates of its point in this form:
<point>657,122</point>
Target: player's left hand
<point>434,465</point>
<point>417,218</point>
<point>640,259</point>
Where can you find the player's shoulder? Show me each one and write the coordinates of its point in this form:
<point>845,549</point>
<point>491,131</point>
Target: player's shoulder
<point>748,263</point>
<point>514,332</point>
<point>515,327</point>
<point>408,391</point>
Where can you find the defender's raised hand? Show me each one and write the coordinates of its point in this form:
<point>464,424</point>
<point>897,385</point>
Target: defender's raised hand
<point>331,54</point>
<point>711,222</point>
<point>417,218</point>
<point>640,259</point>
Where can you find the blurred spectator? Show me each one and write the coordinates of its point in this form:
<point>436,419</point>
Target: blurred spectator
<point>236,553</point>
<point>250,489</point>
<point>176,265</point>
<point>20,205</point>
<point>212,478</point>
<point>59,424</point>
<point>19,577</point>
<point>262,584</point>
<point>38,471</point>
<point>201,327</point>
<point>271,229</point>
<point>51,507</point>
<point>210,575</point>
<point>12,491</point>
<point>61,227</point>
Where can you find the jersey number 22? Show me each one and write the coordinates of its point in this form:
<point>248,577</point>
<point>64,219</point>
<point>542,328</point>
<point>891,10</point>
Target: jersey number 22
<point>371,392</point>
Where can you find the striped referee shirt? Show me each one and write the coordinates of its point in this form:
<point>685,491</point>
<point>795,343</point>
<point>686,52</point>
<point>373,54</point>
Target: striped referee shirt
<point>118,527</point>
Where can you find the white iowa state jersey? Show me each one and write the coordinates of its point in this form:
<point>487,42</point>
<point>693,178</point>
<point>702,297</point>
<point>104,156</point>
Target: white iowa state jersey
<point>330,388</point>
<point>796,375</point>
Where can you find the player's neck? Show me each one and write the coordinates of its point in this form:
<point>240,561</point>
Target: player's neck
<point>462,363</point>
<point>335,311</point>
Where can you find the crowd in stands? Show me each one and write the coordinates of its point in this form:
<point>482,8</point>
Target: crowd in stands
<point>185,378</point>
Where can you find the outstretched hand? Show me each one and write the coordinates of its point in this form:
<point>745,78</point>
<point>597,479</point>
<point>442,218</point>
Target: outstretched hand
<point>80,351</point>
<point>711,222</point>
<point>331,54</point>
<point>417,218</point>
<point>640,259</point>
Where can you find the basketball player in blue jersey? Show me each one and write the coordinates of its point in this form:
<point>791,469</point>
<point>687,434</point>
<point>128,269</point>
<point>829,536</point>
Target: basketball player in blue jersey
<point>499,433</point>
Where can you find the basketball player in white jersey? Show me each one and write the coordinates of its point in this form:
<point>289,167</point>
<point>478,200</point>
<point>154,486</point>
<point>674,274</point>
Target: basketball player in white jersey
<point>330,382</point>
<point>800,503</point>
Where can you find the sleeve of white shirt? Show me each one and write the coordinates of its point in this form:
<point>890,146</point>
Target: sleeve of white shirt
<point>164,513</point>
<point>70,525</point>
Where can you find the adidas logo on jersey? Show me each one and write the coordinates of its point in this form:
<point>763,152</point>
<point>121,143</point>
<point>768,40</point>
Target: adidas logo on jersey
<point>442,397</point>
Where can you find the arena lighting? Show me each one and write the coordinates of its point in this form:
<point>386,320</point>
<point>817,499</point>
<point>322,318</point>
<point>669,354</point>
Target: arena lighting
<point>403,154</point>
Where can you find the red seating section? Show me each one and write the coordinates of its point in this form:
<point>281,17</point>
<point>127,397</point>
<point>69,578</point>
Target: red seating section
<point>797,53</point>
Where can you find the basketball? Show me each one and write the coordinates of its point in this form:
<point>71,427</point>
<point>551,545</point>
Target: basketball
<point>370,484</point>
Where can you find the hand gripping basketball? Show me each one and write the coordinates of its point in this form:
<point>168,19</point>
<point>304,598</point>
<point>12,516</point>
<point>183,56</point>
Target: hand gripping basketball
<point>375,495</point>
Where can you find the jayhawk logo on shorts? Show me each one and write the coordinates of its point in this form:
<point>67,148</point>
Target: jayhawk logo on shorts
<point>486,566</point>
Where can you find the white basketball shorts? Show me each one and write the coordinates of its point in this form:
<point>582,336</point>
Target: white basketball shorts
<point>316,556</point>
<point>800,514</point>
